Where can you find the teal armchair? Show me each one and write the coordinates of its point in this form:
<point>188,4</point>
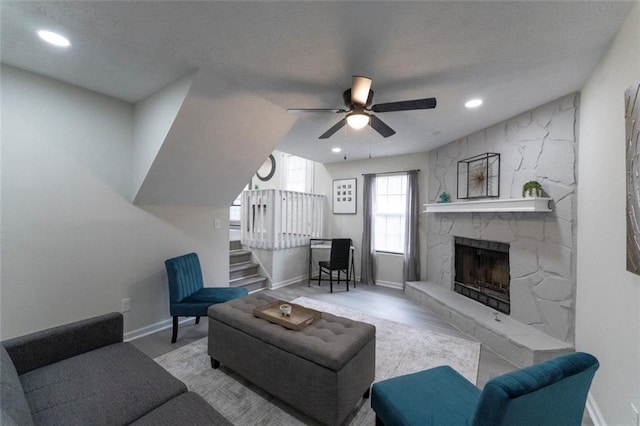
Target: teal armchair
<point>188,297</point>
<point>553,392</point>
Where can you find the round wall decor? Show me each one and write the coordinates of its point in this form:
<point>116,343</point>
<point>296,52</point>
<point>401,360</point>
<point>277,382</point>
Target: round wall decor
<point>268,169</point>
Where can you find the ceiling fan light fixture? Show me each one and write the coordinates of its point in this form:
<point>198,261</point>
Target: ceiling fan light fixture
<point>358,100</point>
<point>357,120</point>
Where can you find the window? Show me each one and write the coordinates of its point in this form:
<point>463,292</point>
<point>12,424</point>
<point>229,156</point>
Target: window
<point>391,212</point>
<point>298,174</point>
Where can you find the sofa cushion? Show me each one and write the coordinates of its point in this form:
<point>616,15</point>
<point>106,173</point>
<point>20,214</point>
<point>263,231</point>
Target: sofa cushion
<point>14,409</point>
<point>116,384</point>
<point>188,409</point>
<point>331,341</point>
<point>54,344</point>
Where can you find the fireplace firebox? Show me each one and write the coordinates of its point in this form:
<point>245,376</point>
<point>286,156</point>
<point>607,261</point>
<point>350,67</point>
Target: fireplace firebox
<point>482,272</point>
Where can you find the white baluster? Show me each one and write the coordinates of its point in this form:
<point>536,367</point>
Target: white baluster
<point>277,219</point>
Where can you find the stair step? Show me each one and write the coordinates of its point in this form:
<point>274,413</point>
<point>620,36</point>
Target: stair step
<point>250,283</point>
<point>242,266</point>
<point>244,269</point>
<point>239,256</point>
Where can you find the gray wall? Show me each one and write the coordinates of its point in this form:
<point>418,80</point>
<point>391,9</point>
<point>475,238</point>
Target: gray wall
<point>608,303</point>
<point>389,267</point>
<point>539,144</point>
<point>73,245</point>
<point>291,265</point>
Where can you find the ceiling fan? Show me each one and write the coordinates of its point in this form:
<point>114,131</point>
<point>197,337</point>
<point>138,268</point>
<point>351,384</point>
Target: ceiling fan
<point>358,101</point>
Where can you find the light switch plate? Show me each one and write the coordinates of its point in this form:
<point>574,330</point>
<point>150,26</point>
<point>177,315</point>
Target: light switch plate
<point>125,305</point>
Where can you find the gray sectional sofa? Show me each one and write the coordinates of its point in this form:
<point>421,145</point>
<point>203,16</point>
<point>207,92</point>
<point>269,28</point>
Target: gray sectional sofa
<point>83,374</point>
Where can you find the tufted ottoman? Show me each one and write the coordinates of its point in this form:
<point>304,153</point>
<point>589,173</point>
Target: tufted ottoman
<point>322,370</point>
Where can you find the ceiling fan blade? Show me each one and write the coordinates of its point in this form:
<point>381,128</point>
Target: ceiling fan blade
<point>296,110</point>
<point>360,87</point>
<point>380,127</point>
<point>339,125</point>
<point>427,103</point>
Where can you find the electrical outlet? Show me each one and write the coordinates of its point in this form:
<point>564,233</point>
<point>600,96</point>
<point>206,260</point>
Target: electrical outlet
<point>125,305</point>
<point>216,224</point>
<point>635,419</point>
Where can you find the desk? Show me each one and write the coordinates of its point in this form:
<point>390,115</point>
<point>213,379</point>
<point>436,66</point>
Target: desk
<point>325,244</point>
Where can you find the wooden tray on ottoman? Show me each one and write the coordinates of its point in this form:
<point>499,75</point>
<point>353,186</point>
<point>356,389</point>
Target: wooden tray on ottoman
<point>299,319</point>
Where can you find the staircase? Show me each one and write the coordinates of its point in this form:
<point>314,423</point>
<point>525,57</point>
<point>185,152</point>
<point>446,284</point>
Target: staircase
<point>242,271</point>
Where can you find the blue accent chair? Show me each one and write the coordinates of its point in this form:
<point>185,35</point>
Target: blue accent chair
<point>188,296</point>
<point>553,392</point>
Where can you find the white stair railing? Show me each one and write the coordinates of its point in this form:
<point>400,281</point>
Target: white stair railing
<point>276,219</point>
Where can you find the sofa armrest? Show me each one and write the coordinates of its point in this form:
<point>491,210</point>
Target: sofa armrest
<point>49,346</point>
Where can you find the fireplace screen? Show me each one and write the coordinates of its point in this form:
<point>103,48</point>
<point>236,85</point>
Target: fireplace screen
<point>482,272</point>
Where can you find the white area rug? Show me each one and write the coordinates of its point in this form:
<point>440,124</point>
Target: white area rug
<point>400,349</point>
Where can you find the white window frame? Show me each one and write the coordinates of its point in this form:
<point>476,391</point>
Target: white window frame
<point>291,164</point>
<point>390,204</point>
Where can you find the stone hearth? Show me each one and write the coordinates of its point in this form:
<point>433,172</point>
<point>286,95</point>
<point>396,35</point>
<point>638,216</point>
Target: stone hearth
<point>520,344</point>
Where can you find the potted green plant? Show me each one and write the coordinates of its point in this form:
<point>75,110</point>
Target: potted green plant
<point>532,189</point>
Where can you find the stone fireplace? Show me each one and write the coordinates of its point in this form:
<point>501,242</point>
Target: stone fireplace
<point>537,145</point>
<point>482,272</point>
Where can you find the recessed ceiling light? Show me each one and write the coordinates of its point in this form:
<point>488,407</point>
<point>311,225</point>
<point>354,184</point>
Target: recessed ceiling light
<point>473,103</point>
<point>54,38</point>
<point>336,149</point>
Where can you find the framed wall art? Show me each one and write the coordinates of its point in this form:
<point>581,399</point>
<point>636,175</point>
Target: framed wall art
<point>344,196</point>
<point>632,131</point>
<point>268,169</point>
<point>479,176</point>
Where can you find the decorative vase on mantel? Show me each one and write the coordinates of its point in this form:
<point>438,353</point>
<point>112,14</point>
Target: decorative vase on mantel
<point>532,189</point>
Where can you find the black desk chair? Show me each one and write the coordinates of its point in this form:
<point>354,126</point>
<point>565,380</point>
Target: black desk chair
<point>338,261</point>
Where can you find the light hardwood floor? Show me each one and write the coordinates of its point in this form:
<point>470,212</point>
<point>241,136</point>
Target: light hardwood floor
<point>380,301</point>
<point>383,302</point>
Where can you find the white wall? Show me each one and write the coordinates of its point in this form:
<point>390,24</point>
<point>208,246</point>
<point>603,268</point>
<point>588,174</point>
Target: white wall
<point>73,245</point>
<point>153,117</point>
<point>389,267</point>
<point>285,266</point>
<point>608,297</point>
<point>213,147</point>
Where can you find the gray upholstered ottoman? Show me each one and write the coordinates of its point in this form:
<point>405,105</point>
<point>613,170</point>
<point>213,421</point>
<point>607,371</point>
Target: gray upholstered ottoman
<point>322,370</point>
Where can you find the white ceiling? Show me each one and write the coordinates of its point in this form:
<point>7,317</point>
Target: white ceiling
<point>514,54</point>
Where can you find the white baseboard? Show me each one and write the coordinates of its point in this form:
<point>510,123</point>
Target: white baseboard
<point>305,278</point>
<point>150,329</point>
<point>594,411</point>
<point>288,282</point>
<point>397,286</point>
<point>168,323</point>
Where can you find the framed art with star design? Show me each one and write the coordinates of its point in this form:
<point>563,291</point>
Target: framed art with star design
<point>479,176</point>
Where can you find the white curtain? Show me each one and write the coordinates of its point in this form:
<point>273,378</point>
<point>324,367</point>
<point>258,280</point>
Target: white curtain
<point>411,263</point>
<point>368,262</point>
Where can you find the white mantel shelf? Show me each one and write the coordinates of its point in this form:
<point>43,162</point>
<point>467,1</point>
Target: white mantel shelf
<point>540,204</point>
